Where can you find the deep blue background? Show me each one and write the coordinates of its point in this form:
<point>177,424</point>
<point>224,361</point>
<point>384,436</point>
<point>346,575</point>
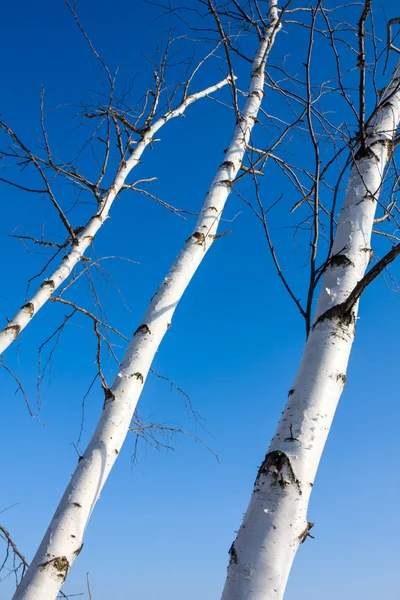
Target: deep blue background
<point>163,527</point>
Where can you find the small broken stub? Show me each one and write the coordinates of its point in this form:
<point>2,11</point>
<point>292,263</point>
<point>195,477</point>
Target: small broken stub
<point>78,550</point>
<point>29,308</point>
<point>306,533</point>
<point>257,93</point>
<point>48,283</point>
<point>198,237</point>
<point>13,330</point>
<point>142,329</point>
<point>233,557</point>
<point>108,395</point>
<point>227,164</point>
<point>341,378</point>
<point>139,376</point>
<point>277,464</point>
<point>368,251</point>
<point>339,260</point>
<point>60,565</point>
<point>227,182</point>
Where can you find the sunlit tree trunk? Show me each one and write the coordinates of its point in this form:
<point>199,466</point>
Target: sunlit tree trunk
<point>64,538</point>
<point>275,523</point>
<point>82,241</point>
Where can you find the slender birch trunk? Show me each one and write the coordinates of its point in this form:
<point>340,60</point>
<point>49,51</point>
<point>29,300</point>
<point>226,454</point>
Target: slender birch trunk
<point>275,523</point>
<point>82,241</point>
<point>64,538</point>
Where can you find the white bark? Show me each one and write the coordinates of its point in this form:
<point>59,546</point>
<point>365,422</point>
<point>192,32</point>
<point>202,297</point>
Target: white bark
<point>25,314</point>
<point>64,537</point>
<point>275,523</point>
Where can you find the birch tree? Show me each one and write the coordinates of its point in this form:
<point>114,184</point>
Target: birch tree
<point>63,540</point>
<point>276,523</point>
<point>131,134</point>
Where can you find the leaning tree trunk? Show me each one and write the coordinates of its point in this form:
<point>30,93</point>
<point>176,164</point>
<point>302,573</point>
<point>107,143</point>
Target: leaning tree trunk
<point>275,523</point>
<point>82,241</point>
<point>64,538</point>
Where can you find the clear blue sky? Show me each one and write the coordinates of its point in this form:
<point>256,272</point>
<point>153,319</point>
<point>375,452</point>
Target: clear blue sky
<point>162,527</point>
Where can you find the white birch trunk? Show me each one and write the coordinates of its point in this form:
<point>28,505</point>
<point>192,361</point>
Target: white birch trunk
<point>275,523</point>
<point>64,538</point>
<point>82,241</point>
